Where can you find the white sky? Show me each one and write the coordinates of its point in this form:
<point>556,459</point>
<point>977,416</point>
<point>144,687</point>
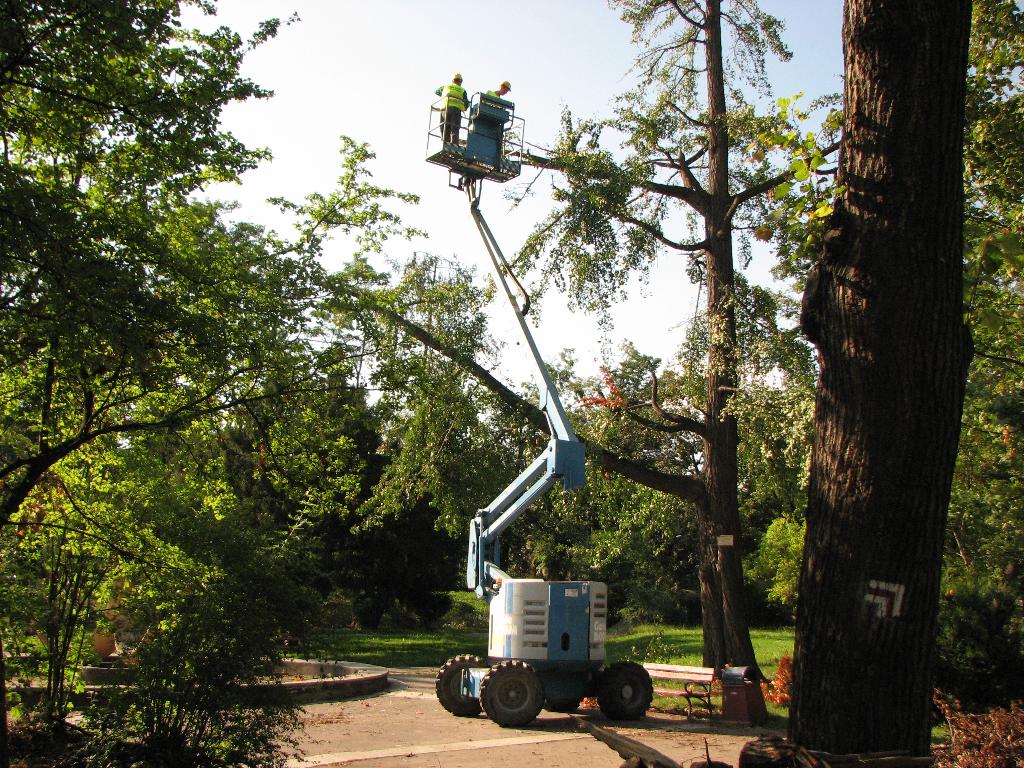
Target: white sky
<point>368,69</point>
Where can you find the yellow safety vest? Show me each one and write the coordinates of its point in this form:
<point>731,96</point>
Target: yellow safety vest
<point>454,96</point>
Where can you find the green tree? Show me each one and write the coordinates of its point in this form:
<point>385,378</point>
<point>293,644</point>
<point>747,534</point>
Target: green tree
<point>443,445</point>
<point>981,639</point>
<point>203,596</point>
<point>773,408</point>
<point>116,284</point>
<point>684,127</point>
<point>66,560</point>
<point>775,567</point>
<point>590,533</point>
<point>109,121</point>
<point>636,539</point>
<point>434,415</point>
<point>126,305</point>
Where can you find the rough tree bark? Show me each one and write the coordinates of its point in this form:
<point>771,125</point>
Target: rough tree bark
<point>883,307</point>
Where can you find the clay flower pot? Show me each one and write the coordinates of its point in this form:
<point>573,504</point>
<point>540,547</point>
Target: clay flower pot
<point>103,643</point>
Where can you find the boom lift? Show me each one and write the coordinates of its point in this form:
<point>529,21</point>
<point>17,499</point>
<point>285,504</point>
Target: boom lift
<point>546,639</point>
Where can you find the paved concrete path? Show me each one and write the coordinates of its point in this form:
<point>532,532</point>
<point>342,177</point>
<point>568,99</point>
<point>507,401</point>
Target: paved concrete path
<point>406,726</point>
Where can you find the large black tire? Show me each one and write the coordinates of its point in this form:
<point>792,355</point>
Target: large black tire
<point>562,705</point>
<point>511,693</point>
<point>448,685</point>
<point>624,691</point>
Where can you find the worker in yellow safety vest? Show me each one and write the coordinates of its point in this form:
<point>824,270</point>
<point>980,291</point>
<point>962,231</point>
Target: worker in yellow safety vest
<point>504,88</point>
<point>454,104</point>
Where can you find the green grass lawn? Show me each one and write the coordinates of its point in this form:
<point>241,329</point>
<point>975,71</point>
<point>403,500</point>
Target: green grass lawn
<point>685,645</point>
<point>429,648</point>
<point>397,648</point>
<point>464,630</point>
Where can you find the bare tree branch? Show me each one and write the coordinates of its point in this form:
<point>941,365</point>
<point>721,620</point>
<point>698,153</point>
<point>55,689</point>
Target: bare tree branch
<point>685,15</point>
<point>1000,359</point>
<point>658,235</point>
<point>695,197</point>
<point>676,418</point>
<point>692,120</point>
<point>685,487</point>
<point>74,96</point>
<point>670,429</point>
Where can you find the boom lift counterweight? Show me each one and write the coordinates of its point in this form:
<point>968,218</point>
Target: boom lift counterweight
<point>546,639</point>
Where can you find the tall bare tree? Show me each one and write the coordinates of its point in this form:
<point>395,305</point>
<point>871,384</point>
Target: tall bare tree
<point>680,188</point>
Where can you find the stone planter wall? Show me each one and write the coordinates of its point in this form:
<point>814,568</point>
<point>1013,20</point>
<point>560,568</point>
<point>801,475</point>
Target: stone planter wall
<point>327,681</point>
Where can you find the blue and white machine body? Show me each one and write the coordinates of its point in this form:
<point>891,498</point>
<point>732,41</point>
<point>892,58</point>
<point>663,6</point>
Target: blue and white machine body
<point>540,620</point>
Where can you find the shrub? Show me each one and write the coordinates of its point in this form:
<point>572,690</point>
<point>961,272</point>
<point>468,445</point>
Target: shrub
<point>467,612</point>
<point>206,637</point>
<point>655,606</point>
<point>336,610</point>
<point>991,740</point>
<point>774,569</point>
<point>422,609</point>
<point>980,646</point>
<point>778,691</point>
<point>189,703</point>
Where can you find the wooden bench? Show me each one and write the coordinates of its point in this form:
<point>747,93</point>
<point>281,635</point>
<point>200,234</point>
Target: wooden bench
<point>696,684</point>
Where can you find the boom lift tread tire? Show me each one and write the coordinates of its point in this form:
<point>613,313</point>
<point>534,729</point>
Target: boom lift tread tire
<point>448,686</point>
<point>625,691</point>
<point>511,693</point>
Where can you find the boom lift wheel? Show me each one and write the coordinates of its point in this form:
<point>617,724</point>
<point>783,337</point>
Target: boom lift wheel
<point>448,685</point>
<point>624,691</point>
<point>511,693</point>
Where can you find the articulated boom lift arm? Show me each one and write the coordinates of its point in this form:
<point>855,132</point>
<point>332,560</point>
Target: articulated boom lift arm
<point>562,459</point>
<point>546,643</point>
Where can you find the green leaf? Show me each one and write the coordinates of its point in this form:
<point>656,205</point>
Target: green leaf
<point>799,169</point>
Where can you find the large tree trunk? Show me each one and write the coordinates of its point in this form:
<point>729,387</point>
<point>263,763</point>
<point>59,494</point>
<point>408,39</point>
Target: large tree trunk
<point>712,619</point>
<point>883,307</point>
<point>726,624</point>
<point>721,535</point>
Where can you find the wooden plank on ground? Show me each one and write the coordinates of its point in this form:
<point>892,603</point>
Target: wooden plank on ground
<point>636,753</point>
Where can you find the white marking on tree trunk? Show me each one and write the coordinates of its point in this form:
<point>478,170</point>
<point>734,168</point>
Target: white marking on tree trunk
<point>886,598</point>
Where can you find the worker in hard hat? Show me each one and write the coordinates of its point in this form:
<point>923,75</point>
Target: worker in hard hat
<point>504,88</point>
<point>454,103</point>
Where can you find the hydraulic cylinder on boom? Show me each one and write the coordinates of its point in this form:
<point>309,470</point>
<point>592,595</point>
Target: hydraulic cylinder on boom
<point>546,639</point>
